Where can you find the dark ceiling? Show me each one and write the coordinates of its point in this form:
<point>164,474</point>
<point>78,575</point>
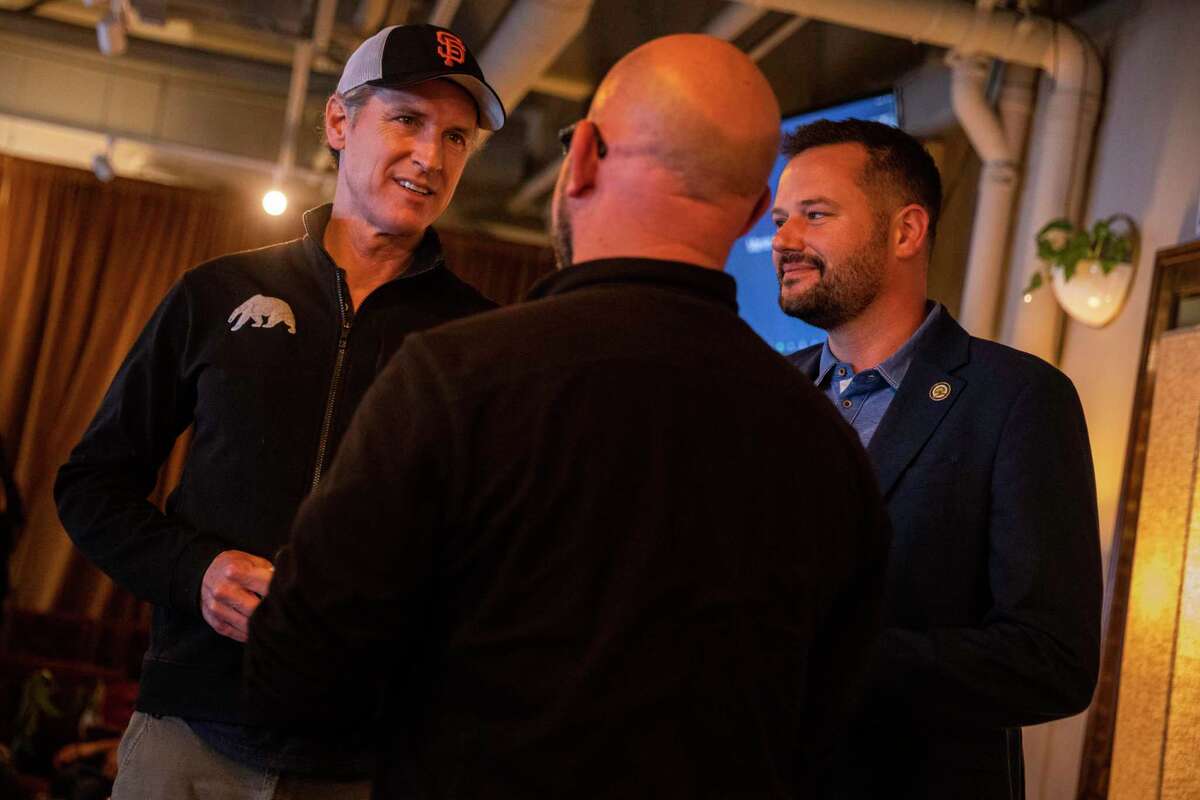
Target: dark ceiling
<point>248,42</point>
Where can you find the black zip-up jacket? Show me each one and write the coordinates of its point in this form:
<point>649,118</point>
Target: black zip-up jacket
<point>261,353</point>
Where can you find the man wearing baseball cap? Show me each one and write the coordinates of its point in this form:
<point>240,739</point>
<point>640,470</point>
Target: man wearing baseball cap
<point>266,354</point>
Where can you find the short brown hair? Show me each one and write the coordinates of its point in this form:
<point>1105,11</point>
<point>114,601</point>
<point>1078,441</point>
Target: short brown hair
<point>896,160</point>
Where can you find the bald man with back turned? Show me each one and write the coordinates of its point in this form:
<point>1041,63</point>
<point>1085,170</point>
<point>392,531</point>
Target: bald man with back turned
<point>606,543</point>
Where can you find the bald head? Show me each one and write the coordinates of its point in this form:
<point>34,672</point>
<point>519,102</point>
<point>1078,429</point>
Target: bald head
<point>697,106</point>
<point>673,159</point>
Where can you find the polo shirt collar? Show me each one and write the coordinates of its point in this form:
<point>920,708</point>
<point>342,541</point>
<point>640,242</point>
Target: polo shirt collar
<point>894,367</point>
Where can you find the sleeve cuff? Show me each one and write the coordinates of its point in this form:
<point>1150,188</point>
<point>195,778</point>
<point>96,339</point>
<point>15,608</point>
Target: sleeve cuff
<point>190,567</point>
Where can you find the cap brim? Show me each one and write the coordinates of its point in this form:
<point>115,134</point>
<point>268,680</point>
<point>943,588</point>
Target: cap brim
<point>491,110</point>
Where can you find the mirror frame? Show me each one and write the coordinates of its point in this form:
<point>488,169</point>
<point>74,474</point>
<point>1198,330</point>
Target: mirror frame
<point>1176,275</point>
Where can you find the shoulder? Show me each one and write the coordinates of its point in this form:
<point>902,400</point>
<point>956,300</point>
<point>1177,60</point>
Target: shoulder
<point>496,333</point>
<point>219,285</point>
<point>461,293</point>
<point>999,374</point>
<point>626,330</point>
<point>806,358</point>
<point>1001,364</point>
<point>271,257</point>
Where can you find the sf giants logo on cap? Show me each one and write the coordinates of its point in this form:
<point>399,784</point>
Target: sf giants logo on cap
<point>451,48</point>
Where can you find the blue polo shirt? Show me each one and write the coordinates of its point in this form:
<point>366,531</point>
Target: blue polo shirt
<point>864,397</point>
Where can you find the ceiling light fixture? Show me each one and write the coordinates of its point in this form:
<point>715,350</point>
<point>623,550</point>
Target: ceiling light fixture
<point>274,202</point>
<point>102,165</point>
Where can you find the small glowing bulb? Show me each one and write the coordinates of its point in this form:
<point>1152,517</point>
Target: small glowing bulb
<point>1028,298</point>
<point>1093,302</point>
<point>274,202</point>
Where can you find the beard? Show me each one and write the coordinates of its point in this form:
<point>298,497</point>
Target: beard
<point>560,231</point>
<point>840,294</point>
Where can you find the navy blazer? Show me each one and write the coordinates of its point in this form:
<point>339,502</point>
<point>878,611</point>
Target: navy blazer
<point>993,592</point>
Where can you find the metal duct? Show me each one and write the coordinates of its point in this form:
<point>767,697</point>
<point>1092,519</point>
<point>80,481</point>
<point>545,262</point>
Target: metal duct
<point>999,140</point>
<point>529,39</point>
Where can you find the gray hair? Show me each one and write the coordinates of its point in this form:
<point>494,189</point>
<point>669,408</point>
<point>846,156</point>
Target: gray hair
<point>353,101</point>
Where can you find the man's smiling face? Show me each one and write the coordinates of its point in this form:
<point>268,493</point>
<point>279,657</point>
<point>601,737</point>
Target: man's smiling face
<point>830,245</point>
<point>403,154</point>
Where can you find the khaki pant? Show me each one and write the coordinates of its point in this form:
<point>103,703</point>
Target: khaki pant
<point>161,758</point>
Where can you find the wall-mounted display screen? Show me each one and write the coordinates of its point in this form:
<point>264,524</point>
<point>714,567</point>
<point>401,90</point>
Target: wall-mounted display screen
<point>750,260</point>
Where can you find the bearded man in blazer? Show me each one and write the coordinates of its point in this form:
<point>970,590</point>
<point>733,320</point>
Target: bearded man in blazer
<point>993,593</point>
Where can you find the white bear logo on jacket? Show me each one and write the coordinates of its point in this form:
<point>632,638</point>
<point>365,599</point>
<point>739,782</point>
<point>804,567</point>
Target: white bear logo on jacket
<point>258,308</point>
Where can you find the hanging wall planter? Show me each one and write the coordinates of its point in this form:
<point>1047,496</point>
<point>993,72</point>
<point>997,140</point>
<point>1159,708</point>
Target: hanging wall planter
<point>1090,270</point>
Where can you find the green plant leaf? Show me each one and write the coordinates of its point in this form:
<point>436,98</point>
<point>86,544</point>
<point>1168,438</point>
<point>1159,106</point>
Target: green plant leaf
<point>1101,234</point>
<point>1077,249</point>
<point>1035,283</point>
<point>1061,245</point>
<point>1052,240</point>
<point>1122,249</point>
<point>1060,224</point>
<point>1046,251</point>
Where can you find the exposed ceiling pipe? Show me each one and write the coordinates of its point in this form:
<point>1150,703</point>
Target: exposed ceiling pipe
<point>297,93</point>
<point>369,16</point>
<point>1065,137</point>
<point>537,186</point>
<point>1018,91</point>
<point>948,23</point>
<point>55,130</point>
<point>398,12</point>
<point>1071,110</point>
<point>529,39</point>
<point>209,36</point>
<point>323,24</point>
<point>443,13</point>
<point>734,20</point>
<point>999,140</point>
<point>575,89</point>
<point>776,38</point>
<point>298,88</point>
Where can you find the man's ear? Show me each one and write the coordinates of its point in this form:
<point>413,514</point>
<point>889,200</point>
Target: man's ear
<point>336,122</point>
<point>910,231</point>
<point>582,160</point>
<point>760,208</point>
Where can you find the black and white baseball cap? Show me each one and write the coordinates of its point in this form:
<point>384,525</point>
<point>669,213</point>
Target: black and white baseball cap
<point>404,55</point>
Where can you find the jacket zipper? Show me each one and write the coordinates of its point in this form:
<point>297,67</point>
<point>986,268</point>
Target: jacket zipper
<point>335,382</point>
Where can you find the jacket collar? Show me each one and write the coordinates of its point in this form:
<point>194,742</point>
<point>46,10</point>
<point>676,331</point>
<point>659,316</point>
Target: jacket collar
<point>928,392</point>
<point>427,257</point>
<point>915,411</point>
<point>708,284</point>
<point>808,361</point>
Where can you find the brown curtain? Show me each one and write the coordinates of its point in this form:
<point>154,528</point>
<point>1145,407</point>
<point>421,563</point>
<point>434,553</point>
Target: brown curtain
<point>500,270</point>
<point>82,266</point>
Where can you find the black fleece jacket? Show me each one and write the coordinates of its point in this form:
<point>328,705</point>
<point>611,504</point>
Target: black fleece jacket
<point>260,352</point>
<point>605,543</point>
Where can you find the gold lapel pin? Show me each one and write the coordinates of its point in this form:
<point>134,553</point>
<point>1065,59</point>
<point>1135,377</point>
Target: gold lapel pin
<point>939,391</point>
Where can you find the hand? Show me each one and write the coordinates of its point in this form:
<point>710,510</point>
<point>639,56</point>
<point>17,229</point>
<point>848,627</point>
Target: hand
<point>69,754</point>
<point>80,750</point>
<point>234,584</point>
